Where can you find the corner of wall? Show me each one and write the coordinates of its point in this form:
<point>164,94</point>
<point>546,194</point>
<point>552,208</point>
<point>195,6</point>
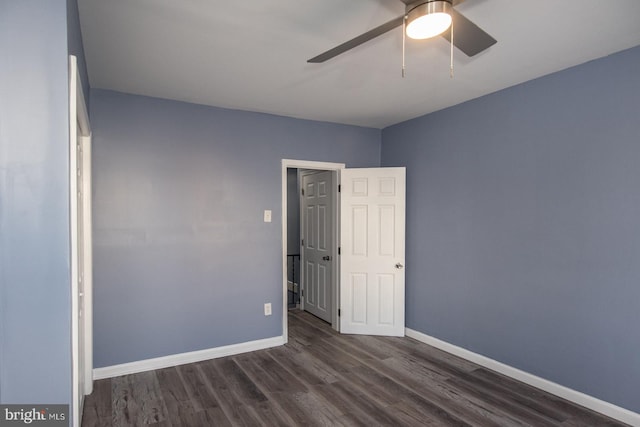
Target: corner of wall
<point>76,46</point>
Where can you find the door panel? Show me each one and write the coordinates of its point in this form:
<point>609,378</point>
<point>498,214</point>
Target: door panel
<point>372,241</point>
<point>80,244</point>
<point>310,284</point>
<point>318,232</point>
<point>76,249</point>
<point>358,314</point>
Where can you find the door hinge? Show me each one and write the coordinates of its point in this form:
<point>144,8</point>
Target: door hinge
<point>339,188</point>
<point>302,244</point>
<point>339,313</point>
<point>338,250</point>
<point>302,293</point>
<point>302,191</point>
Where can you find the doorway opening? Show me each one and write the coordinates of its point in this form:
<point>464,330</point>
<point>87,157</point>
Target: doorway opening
<point>305,273</point>
<point>318,250</point>
<point>293,239</point>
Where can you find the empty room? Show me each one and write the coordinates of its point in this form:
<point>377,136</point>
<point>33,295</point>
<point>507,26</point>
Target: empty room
<point>336,212</point>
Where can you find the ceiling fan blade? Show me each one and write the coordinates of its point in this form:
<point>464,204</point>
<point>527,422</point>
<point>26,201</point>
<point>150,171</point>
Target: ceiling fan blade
<point>357,41</point>
<point>468,37</point>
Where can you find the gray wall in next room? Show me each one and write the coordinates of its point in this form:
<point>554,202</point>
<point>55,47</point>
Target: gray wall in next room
<point>293,224</point>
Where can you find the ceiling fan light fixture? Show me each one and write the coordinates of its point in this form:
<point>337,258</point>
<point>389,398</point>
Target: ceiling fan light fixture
<point>429,19</point>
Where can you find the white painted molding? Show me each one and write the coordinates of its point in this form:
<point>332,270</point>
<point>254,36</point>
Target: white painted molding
<point>574,396</point>
<point>310,164</point>
<point>77,369</point>
<point>183,358</point>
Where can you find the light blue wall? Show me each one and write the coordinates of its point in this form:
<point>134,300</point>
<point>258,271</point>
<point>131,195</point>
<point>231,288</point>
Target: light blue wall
<point>182,259</point>
<point>523,219</point>
<point>35,348</point>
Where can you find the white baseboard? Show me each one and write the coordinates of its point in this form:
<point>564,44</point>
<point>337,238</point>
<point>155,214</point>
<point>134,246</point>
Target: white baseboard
<point>183,358</point>
<point>574,396</point>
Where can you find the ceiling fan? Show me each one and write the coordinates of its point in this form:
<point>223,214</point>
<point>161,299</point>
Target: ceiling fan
<point>423,19</point>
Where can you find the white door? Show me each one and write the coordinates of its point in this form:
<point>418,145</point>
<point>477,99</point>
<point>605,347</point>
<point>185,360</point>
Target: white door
<point>80,238</point>
<point>372,242</point>
<point>76,231</point>
<point>317,244</point>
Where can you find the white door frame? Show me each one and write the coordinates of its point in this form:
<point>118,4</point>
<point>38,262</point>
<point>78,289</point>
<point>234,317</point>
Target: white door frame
<point>79,124</point>
<point>305,164</point>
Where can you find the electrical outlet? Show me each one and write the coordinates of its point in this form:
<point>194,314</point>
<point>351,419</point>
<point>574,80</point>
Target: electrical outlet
<point>267,309</point>
<point>267,216</point>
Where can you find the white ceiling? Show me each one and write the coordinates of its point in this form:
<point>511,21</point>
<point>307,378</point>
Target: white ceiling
<point>251,54</point>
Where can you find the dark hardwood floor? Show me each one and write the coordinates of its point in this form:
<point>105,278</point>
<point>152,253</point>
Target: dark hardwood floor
<point>324,378</point>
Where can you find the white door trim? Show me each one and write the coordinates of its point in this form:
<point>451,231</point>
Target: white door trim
<point>300,164</point>
<point>79,121</point>
<point>88,265</point>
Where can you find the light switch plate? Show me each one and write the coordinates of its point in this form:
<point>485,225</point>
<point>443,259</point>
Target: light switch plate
<point>267,215</point>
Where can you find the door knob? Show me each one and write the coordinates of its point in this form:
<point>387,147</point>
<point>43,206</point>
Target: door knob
<point>399,266</point>
<point>326,258</point>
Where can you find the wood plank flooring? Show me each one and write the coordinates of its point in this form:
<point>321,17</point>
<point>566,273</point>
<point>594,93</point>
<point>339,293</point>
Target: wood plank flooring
<point>321,378</point>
